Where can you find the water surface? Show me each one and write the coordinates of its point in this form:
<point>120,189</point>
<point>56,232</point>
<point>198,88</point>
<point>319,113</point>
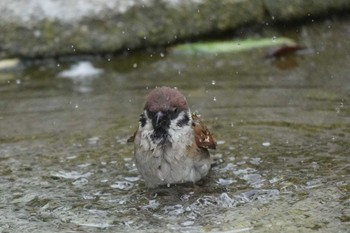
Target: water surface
<point>283,129</point>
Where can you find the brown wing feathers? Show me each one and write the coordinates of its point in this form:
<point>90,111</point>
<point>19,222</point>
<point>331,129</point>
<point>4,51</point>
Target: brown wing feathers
<point>203,137</point>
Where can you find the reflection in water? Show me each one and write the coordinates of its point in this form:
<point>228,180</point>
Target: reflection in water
<point>82,74</point>
<point>283,138</point>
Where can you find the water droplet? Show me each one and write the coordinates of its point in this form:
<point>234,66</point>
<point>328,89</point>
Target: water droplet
<point>337,110</point>
<point>274,180</point>
<point>315,165</point>
<point>266,144</point>
<point>122,185</point>
<point>58,65</point>
<point>162,54</point>
<point>132,178</point>
<point>153,204</point>
<point>71,157</point>
<point>134,65</point>
<point>145,37</point>
<point>273,17</point>
<point>37,33</point>
<point>222,181</point>
<point>76,106</point>
<point>70,175</point>
<point>80,182</point>
<point>214,99</point>
<point>213,82</point>
<point>255,161</point>
<point>187,223</point>
<point>84,165</point>
<point>18,81</point>
<point>93,140</point>
<point>313,184</point>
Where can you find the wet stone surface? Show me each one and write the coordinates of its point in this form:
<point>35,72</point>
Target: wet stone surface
<point>282,129</point>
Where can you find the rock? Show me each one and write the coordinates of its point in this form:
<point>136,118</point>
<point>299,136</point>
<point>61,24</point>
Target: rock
<point>49,28</point>
<point>43,28</point>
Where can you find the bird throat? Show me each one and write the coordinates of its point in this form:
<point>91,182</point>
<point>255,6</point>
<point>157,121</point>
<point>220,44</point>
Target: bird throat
<point>160,136</point>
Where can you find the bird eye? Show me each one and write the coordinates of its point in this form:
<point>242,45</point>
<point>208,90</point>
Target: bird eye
<point>174,113</point>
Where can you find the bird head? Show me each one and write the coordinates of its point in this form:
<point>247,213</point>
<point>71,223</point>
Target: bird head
<point>165,107</point>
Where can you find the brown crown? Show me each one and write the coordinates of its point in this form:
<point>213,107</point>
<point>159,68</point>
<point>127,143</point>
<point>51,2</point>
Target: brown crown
<point>164,99</point>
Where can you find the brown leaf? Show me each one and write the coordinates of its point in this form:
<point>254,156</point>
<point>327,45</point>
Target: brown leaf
<point>284,51</point>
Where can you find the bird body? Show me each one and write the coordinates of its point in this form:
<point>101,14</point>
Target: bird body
<point>170,144</point>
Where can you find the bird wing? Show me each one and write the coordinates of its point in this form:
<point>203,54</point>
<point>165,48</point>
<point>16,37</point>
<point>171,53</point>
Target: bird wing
<point>203,137</point>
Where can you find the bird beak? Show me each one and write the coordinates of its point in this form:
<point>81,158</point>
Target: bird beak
<point>159,116</point>
<point>160,120</point>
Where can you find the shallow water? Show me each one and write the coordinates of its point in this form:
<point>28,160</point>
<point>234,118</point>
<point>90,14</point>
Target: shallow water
<point>283,129</point>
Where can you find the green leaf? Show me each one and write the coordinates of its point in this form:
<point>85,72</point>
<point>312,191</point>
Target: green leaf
<point>231,46</point>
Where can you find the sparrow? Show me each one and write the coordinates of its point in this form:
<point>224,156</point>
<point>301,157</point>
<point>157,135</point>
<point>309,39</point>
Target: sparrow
<point>171,144</point>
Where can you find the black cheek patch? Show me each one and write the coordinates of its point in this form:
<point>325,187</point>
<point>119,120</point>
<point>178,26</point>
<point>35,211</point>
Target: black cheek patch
<point>183,121</point>
<point>142,120</point>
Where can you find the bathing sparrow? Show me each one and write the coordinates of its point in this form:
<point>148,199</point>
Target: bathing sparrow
<point>171,145</point>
